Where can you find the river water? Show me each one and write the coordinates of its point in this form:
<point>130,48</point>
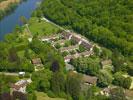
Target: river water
<point>8,23</point>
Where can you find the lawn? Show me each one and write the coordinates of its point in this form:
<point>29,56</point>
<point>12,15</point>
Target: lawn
<point>41,27</point>
<point>44,96</point>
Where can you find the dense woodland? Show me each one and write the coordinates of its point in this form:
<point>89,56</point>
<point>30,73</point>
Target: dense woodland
<point>108,22</point>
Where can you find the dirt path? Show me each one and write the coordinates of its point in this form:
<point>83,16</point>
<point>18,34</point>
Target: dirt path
<point>7,73</point>
<point>5,4</point>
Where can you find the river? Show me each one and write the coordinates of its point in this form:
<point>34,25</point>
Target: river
<point>8,23</point>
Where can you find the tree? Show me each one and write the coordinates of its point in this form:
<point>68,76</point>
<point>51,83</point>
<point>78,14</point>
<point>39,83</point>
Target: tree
<point>26,53</point>
<point>23,20</point>
<point>55,66</point>
<point>41,80</point>
<point>13,57</point>
<point>106,54</point>
<point>88,65</point>
<point>57,46</point>
<point>118,94</point>
<point>130,71</point>
<point>118,61</point>
<point>58,83</point>
<point>122,81</point>
<point>81,48</point>
<point>73,85</point>
<point>104,78</point>
<point>127,82</point>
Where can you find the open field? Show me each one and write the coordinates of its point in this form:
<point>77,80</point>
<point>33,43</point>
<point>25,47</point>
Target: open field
<point>5,4</point>
<point>44,96</point>
<point>41,27</point>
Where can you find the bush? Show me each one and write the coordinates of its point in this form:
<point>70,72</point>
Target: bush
<point>62,95</point>
<point>64,53</point>
<point>120,80</point>
<point>27,75</point>
<point>51,94</point>
<point>57,46</point>
<point>82,48</point>
<point>72,52</point>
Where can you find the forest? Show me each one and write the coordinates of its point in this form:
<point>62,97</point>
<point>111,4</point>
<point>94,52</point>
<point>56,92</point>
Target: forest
<point>107,22</point>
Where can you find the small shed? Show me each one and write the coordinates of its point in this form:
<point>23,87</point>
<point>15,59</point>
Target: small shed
<point>37,61</point>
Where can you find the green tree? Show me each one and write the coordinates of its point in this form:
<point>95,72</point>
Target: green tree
<point>23,20</point>
<point>104,78</point>
<point>58,83</point>
<point>118,94</point>
<point>73,85</point>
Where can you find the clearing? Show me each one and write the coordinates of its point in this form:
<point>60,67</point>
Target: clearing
<point>41,27</point>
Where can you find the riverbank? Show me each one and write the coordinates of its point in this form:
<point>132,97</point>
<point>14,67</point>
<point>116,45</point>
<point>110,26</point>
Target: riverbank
<point>7,7</point>
<point>5,4</point>
<point>8,23</point>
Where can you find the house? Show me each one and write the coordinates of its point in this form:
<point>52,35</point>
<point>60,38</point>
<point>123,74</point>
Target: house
<point>87,45</point>
<point>66,35</point>
<point>106,91</point>
<point>70,48</point>
<point>37,62</point>
<point>68,58</point>
<point>20,86</point>
<point>86,53</point>
<point>77,39</point>
<point>91,80</point>
<point>129,94</point>
<point>69,67</point>
<point>48,38</point>
<point>106,63</point>
<point>77,55</point>
<point>61,42</point>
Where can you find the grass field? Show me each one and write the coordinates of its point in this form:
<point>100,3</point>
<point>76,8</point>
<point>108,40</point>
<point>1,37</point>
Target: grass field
<point>44,96</point>
<point>41,27</point>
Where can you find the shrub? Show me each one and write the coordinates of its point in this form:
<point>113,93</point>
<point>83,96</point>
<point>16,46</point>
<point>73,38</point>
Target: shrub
<point>27,75</point>
<point>51,94</point>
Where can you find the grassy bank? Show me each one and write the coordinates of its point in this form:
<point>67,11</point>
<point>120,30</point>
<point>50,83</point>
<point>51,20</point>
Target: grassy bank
<point>44,96</point>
